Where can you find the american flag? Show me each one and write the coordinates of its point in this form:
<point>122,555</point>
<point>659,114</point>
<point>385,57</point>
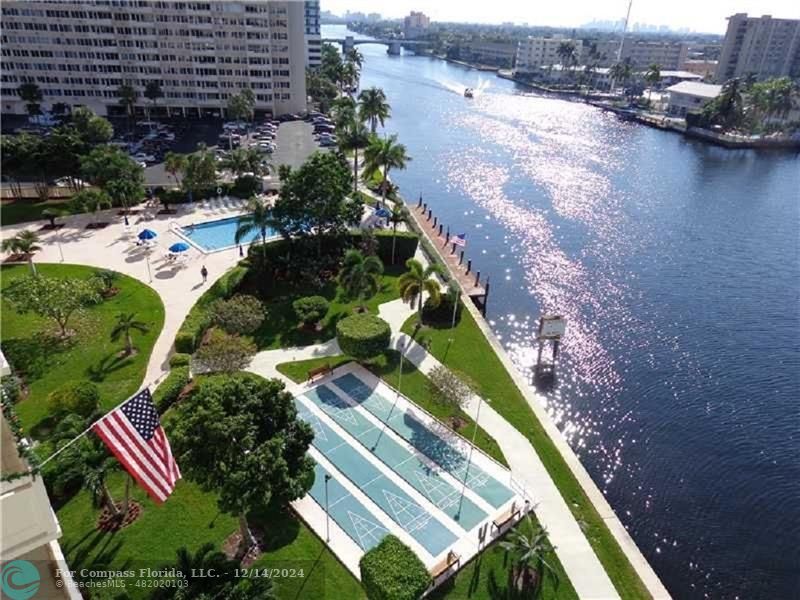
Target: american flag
<point>460,239</point>
<point>134,435</point>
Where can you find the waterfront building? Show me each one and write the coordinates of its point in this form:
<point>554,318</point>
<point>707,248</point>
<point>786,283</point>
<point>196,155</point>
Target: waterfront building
<point>760,46</point>
<point>640,53</point>
<point>313,36</point>
<point>704,68</point>
<point>201,53</point>
<point>500,54</point>
<point>535,52</point>
<point>690,95</point>
<point>669,77</point>
<point>415,24</point>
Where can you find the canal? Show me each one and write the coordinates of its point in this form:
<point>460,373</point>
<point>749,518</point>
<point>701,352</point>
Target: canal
<point>676,265</point>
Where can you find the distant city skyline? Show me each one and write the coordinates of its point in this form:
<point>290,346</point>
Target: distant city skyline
<point>707,17</point>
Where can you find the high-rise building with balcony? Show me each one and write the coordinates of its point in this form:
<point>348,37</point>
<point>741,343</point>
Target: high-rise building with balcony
<point>313,37</point>
<point>201,53</point>
<point>760,46</point>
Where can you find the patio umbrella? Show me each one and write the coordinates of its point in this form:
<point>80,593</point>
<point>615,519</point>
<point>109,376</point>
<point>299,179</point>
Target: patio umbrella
<point>383,213</point>
<point>179,247</point>
<point>147,234</point>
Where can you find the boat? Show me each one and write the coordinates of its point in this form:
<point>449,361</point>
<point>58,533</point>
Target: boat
<point>468,93</point>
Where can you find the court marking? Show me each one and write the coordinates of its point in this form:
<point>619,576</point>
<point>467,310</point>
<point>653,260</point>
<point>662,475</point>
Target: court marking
<point>365,528</point>
<point>419,518</point>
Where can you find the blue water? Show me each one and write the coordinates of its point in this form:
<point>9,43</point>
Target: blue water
<point>676,265</point>
<point>391,498</point>
<point>219,234</point>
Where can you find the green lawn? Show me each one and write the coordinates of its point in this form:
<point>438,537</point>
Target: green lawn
<point>31,346</point>
<point>414,387</point>
<point>472,354</point>
<point>22,211</point>
<point>280,328</point>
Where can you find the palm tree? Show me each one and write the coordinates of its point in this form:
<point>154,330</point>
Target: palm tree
<point>360,276</point>
<point>194,570</point>
<point>126,323</point>
<point>175,163</point>
<point>32,96</point>
<point>96,466</point>
<point>153,91</point>
<point>568,54</point>
<point>92,201</point>
<point>528,545</point>
<point>729,102</point>
<point>51,214</point>
<point>127,99</point>
<point>652,76</point>
<point>243,160</point>
<point>350,75</point>
<point>343,110</point>
<point>25,242</point>
<point>354,56</point>
<point>354,136</point>
<point>383,155</point>
<point>621,71</point>
<point>373,107</point>
<point>418,280</point>
<point>260,219</point>
<point>399,214</point>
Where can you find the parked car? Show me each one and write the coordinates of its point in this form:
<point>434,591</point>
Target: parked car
<point>143,157</point>
<point>69,182</point>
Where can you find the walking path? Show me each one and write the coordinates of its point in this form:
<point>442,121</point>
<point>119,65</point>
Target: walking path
<point>581,564</point>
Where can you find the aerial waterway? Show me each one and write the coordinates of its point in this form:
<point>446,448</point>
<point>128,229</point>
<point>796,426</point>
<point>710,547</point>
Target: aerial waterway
<point>676,266</point>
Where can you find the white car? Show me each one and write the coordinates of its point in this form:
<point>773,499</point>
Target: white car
<point>67,182</point>
<point>145,158</point>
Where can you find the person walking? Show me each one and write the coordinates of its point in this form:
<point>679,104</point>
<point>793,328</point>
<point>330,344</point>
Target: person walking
<point>204,273</point>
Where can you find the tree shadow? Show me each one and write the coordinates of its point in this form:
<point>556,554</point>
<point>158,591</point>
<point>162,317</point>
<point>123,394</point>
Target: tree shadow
<point>107,365</point>
<point>279,526</point>
<point>32,356</point>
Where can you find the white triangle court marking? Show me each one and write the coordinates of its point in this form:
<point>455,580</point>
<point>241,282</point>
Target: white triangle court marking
<point>365,529</point>
<point>408,514</point>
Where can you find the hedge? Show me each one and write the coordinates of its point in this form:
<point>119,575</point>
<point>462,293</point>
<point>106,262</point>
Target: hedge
<point>199,319</point>
<point>391,571</point>
<point>363,336</point>
<point>406,247</point>
<point>179,359</point>
<point>442,314</point>
<point>167,392</point>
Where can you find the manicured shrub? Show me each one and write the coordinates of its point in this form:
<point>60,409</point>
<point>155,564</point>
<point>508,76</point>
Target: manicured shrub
<point>180,359</point>
<point>391,571</point>
<point>167,392</point>
<point>223,352</point>
<point>363,336</point>
<point>405,247</point>
<point>78,397</point>
<point>311,309</point>
<point>246,186</point>
<point>441,314</point>
<point>240,314</point>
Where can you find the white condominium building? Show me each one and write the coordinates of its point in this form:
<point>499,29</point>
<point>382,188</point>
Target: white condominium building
<point>313,36</point>
<point>640,53</point>
<point>761,46</point>
<point>201,53</point>
<point>535,52</point>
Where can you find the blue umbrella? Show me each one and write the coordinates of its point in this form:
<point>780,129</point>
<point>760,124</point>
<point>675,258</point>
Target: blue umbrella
<point>383,213</point>
<point>179,247</point>
<point>147,234</point>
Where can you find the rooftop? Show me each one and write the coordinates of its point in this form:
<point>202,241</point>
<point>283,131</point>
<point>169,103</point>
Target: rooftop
<point>695,88</point>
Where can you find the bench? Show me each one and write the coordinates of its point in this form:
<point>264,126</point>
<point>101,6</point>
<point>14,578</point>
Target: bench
<point>507,516</point>
<point>444,565</point>
<point>319,372</point>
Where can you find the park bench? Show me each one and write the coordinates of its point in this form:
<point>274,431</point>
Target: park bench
<point>508,516</point>
<point>452,559</point>
<point>319,372</point>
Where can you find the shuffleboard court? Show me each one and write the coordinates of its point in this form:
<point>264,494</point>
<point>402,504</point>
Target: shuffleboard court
<point>405,462</point>
<point>393,500</point>
<point>436,447</point>
<point>350,514</point>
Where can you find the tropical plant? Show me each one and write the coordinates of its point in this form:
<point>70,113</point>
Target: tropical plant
<point>392,571</point>
<point>349,76</point>
<point>727,108</point>
<point>243,160</point>
<point>153,91</point>
<point>32,96</point>
<point>528,545</point>
<point>373,107</point>
<point>127,323</point>
<point>652,76</point>
<point>354,136</point>
<point>382,155</point>
<point>240,106</point>
<point>399,215</point>
<point>111,169</point>
<point>95,466</point>
<point>200,172</point>
<point>127,99</point>
<point>354,56</point>
<point>621,71</point>
<point>174,164</point>
<point>222,352</point>
<point>363,336</point>
<point>25,242</point>
<point>310,310</point>
<point>92,201</point>
<point>74,397</point>
<point>91,128</point>
<point>259,218</point>
<point>343,110</point>
<point>419,280</point>
<point>567,52</point>
<point>360,276</point>
<point>105,279</point>
<point>268,464</point>
<point>242,314</point>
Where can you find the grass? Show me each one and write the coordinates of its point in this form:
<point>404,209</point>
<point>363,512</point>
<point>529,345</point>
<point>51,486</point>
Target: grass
<point>280,328</point>
<point>473,354</point>
<point>414,386</point>
<point>22,211</point>
<point>32,347</point>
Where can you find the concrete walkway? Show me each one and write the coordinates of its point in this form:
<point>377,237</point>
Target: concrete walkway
<point>581,564</point>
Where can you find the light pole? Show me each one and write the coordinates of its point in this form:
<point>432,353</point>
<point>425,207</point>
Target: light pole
<point>471,448</point>
<point>401,347</point>
<point>327,514</point>
<point>147,260</point>
<point>58,241</point>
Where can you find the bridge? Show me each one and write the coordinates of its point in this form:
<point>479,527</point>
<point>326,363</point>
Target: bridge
<point>393,45</point>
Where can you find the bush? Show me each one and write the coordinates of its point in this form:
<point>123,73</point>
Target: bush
<point>246,186</point>
<point>11,387</point>
<point>406,246</point>
<point>442,313</point>
<point>311,309</point>
<point>223,353</point>
<point>167,392</point>
<point>240,314</point>
<point>363,336</point>
<point>391,571</point>
<point>76,397</point>
<point>179,359</point>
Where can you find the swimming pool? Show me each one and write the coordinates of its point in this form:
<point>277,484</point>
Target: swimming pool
<point>211,236</point>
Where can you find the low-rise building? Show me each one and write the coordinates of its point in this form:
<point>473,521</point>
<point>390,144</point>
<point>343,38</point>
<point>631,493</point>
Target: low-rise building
<point>669,77</point>
<point>535,52</point>
<point>500,54</point>
<point>705,68</point>
<point>690,95</point>
<point>415,24</point>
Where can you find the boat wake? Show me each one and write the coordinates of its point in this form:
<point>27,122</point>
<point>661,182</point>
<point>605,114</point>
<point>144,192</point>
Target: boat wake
<point>460,88</point>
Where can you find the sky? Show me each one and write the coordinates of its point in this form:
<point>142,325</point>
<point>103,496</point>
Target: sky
<point>698,15</point>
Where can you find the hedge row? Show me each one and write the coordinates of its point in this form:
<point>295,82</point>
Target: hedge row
<point>168,390</point>
<point>199,320</point>
<point>391,571</point>
<point>405,248</point>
